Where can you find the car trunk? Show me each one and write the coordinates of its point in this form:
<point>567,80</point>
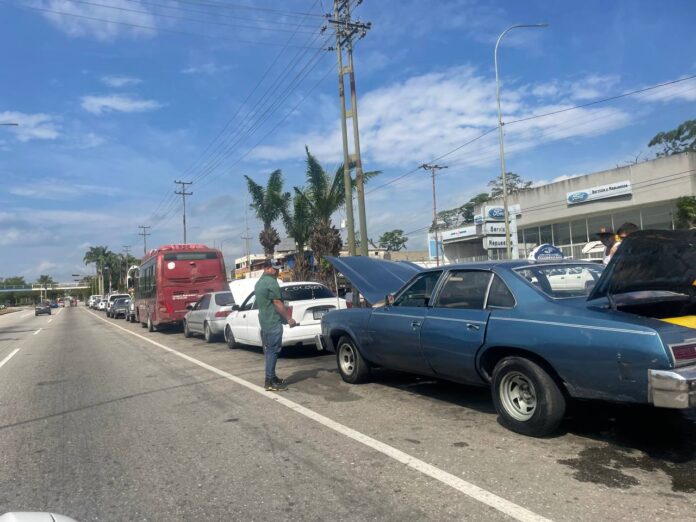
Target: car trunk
<point>653,276</point>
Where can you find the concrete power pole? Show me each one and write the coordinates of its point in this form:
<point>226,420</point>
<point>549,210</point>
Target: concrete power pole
<point>144,233</point>
<point>345,31</point>
<point>126,253</point>
<point>183,195</point>
<point>433,169</point>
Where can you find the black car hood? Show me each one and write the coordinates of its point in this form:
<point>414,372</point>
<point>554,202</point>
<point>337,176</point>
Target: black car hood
<point>651,260</point>
<point>374,278</point>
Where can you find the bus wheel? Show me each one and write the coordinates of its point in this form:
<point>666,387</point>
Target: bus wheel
<point>150,326</point>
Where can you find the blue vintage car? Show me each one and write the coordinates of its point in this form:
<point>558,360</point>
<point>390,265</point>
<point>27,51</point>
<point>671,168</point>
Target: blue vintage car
<point>538,333</point>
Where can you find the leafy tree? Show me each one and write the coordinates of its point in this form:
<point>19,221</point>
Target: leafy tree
<point>514,183</point>
<point>98,255</point>
<point>325,194</point>
<point>676,141</point>
<point>298,225</point>
<point>14,281</point>
<point>686,212</point>
<point>269,204</point>
<point>45,281</point>
<point>393,241</point>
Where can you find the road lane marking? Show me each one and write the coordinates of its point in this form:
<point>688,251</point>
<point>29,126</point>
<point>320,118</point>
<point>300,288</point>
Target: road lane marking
<point>59,311</point>
<point>37,331</point>
<point>471,490</point>
<point>12,354</point>
<point>50,320</point>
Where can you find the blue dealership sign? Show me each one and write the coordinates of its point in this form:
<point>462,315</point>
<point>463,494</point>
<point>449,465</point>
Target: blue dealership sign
<point>577,197</point>
<point>546,252</point>
<point>496,213</point>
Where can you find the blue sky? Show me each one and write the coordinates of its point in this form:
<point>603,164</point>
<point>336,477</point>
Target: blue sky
<point>110,115</point>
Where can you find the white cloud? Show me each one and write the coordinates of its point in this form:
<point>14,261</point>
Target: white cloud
<point>31,126</point>
<point>683,91</point>
<point>120,81</point>
<point>93,20</point>
<point>208,68</point>
<point>117,103</point>
<point>59,189</point>
<point>424,116</point>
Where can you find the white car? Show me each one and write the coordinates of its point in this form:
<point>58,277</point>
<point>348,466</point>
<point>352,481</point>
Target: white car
<point>573,279</point>
<point>308,302</point>
<point>101,305</point>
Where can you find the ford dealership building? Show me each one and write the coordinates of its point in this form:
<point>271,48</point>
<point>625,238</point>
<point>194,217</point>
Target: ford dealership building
<point>568,213</point>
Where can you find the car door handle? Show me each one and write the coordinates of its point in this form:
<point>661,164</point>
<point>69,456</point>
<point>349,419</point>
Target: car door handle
<point>471,326</point>
<point>415,324</point>
<point>244,316</point>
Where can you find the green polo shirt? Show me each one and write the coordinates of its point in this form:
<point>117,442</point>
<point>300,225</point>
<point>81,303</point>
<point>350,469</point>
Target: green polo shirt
<point>267,290</point>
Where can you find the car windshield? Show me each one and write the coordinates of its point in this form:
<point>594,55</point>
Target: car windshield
<point>224,299</point>
<point>560,281</point>
<point>305,292</point>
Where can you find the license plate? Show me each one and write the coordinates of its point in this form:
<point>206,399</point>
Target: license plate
<point>318,314</point>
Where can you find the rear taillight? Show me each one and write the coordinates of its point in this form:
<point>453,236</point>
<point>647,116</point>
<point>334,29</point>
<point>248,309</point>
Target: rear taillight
<point>683,353</point>
<point>289,309</point>
<point>222,313</point>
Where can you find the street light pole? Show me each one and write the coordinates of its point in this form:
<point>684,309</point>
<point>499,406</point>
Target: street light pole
<point>508,246</point>
<point>433,169</point>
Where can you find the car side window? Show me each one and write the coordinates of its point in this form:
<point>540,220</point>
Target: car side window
<point>499,295</point>
<point>418,293</point>
<point>250,303</point>
<point>204,303</point>
<point>464,289</point>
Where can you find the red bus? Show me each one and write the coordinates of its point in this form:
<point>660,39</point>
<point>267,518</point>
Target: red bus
<point>174,276</point>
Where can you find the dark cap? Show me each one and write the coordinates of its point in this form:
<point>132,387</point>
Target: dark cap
<point>605,231</point>
<point>272,263</point>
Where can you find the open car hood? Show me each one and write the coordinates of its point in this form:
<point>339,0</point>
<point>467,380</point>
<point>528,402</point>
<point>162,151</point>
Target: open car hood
<point>374,278</point>
<point>651,260</point>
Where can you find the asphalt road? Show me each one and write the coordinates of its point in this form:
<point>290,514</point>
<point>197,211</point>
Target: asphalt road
<point>100,424</point>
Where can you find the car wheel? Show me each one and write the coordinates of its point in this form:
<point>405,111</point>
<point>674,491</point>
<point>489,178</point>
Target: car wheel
<point>187,332</point>
<point>36,314</point>
<point>351,365</point>
<point>526,397</point>
<point>229,338</point>
<point>150,326</point>
<point>209,336</point>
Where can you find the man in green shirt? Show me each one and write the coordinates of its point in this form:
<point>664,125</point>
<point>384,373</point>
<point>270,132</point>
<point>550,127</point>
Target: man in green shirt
<point>272,316</point>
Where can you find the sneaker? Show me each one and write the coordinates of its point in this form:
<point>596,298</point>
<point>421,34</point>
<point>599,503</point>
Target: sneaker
<point>278,380</point>
<point>271,385</point>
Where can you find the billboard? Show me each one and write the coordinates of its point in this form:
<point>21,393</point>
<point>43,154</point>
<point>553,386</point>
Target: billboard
<point>620,188</point>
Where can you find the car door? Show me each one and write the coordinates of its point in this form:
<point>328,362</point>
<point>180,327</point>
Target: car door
<point>198,314</point>
<point>238,323</point>
<point>455,326</point>
<point>394,331</point>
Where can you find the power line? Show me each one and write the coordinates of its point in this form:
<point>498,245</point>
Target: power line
<point>297,14</point>
<point>140,26</point>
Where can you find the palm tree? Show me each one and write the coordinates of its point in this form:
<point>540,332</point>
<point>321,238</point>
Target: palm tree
<point>98,256</point>
<point>269,203</point>
<point>325,195</point>
<point>298,225</point>
<point>46,281</point>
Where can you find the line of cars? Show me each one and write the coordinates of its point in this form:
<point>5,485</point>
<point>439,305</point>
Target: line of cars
<point>115,305</point>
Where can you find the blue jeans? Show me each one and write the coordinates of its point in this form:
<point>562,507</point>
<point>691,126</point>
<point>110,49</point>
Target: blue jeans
<point>272,344</point>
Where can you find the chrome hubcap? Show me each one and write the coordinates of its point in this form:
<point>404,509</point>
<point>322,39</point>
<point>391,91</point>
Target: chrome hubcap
<point>518,396</point>
<point>346,358</point>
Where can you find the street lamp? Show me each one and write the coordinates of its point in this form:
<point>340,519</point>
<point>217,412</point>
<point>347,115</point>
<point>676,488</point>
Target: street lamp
<point>500,133</point>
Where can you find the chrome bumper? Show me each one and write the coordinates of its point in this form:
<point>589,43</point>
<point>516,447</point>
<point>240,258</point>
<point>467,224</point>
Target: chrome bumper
<point>319,342</point>
<point>673,388</point>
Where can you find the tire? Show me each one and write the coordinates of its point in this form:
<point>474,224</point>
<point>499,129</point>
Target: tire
<point>526,397</point>
<point>351,365</point>
<point>150,326</point>
<point>207,334</point>
<point>187,332</point>
<point>229,338</point>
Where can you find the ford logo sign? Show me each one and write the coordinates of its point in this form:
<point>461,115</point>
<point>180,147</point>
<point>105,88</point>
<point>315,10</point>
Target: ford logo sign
<point>496,213</point>
<point>578,197</point>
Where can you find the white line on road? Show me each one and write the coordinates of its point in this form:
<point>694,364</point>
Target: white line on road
<point>50,320</point>
<point>477,493</point>
<point>59,311</point>
<point>37,331</point>
<point>2,363</point>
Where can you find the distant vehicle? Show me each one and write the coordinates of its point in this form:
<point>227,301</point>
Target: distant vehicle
<point>119,308</point>
<point>61,303</point>
<point>92,301</point>
<point>52,304</point>
<point>101,305</point>
<point>130,316</point>
<point>208,315</point>
<point>172,277</point>
<point>112,298</point>
<point>42,308</point>
<point>307,301</point>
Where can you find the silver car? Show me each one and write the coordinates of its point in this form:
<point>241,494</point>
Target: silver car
<point>208,315</point>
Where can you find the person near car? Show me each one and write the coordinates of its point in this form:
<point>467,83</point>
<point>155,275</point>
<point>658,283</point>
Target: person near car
<point>607,238</point>
<point>272,316</point>
<point>622,233</point>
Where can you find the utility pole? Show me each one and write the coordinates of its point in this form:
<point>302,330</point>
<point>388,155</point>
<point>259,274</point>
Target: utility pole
<point>183,195</point>
<point>346,29</point>
<point>246,237</point>
<point>433,169</point>
<point>144,233</point>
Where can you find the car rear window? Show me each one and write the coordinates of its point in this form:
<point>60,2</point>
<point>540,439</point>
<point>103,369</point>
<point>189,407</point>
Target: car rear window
<point>190,256</point>
<point>567,280</point>
<point>305,292</point>
<point>224,299</point>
